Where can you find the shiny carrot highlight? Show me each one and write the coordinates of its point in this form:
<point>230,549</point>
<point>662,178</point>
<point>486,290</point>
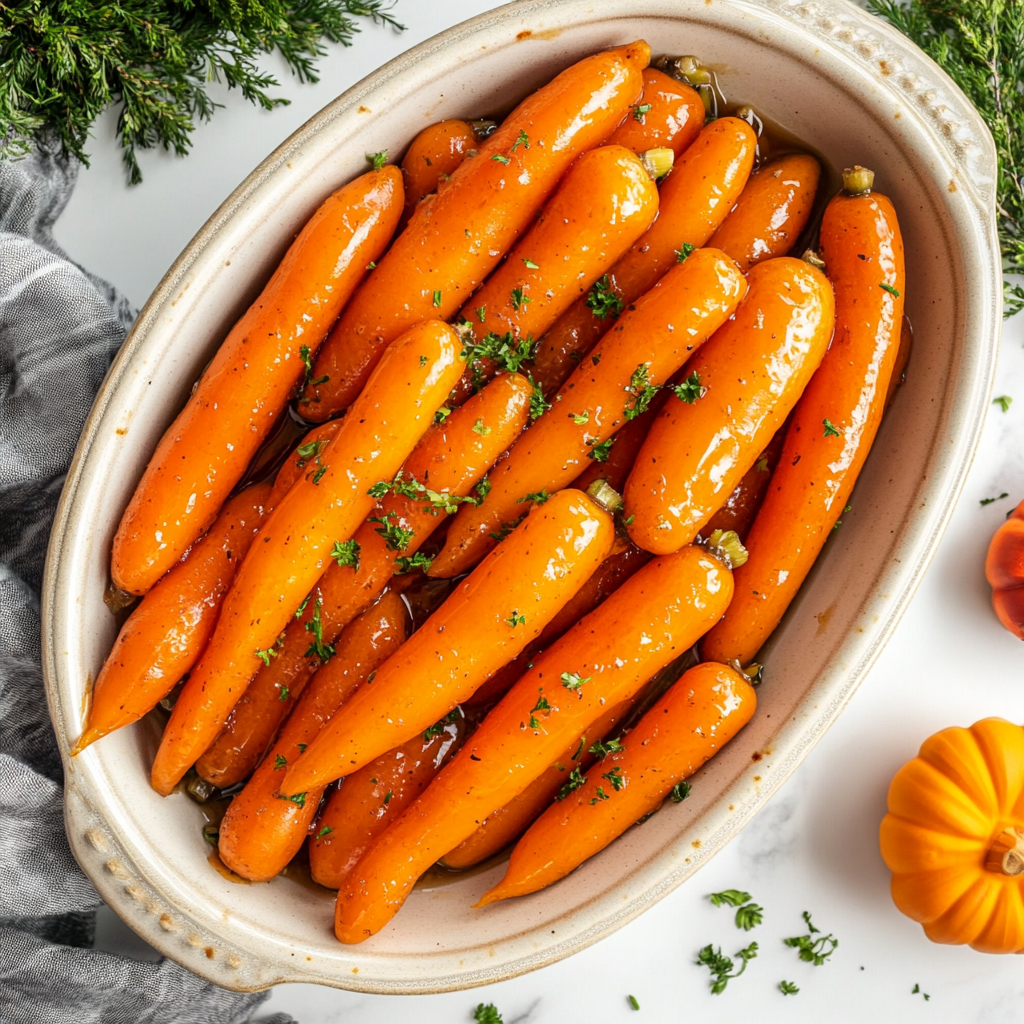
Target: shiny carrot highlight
<point>165,635</point>
<point>448,463</point>
<point>457,236</point>
<point>652,619</point>
<point>834,424</point>
<point>262,830</point>
<point>772,210</point>
<point>492,616</point>
<point>257,369</point>
<point>746,381</point>
<point>694,201</point>
<point>295,544</point>
<point>373,797</point>
<point>648,344</point>
<point>605,202</point>
<point>698,716</point>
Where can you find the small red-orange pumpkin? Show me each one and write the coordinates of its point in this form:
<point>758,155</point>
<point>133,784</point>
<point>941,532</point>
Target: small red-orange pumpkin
<point>1004,569</point>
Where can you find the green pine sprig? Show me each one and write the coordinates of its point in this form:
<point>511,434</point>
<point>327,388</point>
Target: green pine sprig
<point>980,45</point>
<point>62,62</point>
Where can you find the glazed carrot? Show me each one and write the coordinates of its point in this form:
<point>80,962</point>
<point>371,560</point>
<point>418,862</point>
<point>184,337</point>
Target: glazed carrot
<point>302,461</point>
<point>740,508</point>
<point>605,202</point>
<point>695,198</point>
<point>668,115</point>
<point>752,373</point>
<point>261,831</point>
<point>457,236</point>
<point>295,544</point>
<point>653,339</point>
<point>689,725</point>
<point>508,823</point>
<point>492,616</point>
<point>164,636</point>
<point>834,424</point>
<point>256,370</point>
<point>433,156</point>
<point>373,797</point>
<point>671,602</point>
<point>771,212</point>
<point>451,459</point>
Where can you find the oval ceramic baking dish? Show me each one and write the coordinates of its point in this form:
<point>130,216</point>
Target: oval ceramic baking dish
<point>838,79</point>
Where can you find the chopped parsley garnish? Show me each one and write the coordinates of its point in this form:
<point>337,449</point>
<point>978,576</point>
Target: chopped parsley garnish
<point>481,313</point>
<point>442,414</point>
<point>302,747</point>
<point>302,607</point>
<point>387,798</point>
<point>438,727</point>
<point>280,761</point>
<point>479,428</point>
<point>404,563</point>
<point>487,1014</point>
<point>538,403</point>
<point>266,654</point>
<point>501,159</point>
<point>515,619</point>
<point>813,950</point>
<point>424,360</point>
<point>507,352</point>
<point>483,488</point>
<point>600,452</point>
<point>642,390</point>
<point>318,475</point>
<point>615,777</point>
<point>788,988</point>
<point>749,916</point>
<point>283,695</point>
<point>541,705</point>
<point>315,626</point>
<point>680,791</point>
<point>396,537</point>
<point>576,779</point>
<point>690,390</point>
<point>632,1000</point>
<point>729,897</point>
<point>721,967</point>
<point>372,265</point>
<point>599,794</point>
<point>762,464</point>
<point>579,418</point>
<point>346,553</point>
<point>683,251</point>
<point>537,497</point>
<point>916,990</point>
<point>1004,402</point>
<point>830,428</point>
<point>307,451</point>
<point>325,831</point>
<point>984,501</point>
<point>530,264</point>
<point>639,110</point>
<point>378,160</point>
<point>295,798</point>
<point>505,529</point>
<point>437,298</point>
<point>572,681</point>
<point>602,301</point>
<point>519,299</point>
<point>604,747</point>
<point>889,288</point>
<point>522,139</point>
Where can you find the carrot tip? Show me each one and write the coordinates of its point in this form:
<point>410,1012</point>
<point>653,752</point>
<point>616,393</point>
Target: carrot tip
<point>88,737</point>
<point>491,896</point>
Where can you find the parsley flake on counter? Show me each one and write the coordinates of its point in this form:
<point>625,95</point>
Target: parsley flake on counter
<point>633,1002</point>
<point>721,967</point>
<point>830,428</point>
<point>788,988</point>
<point>729,897</point>
<point>1004,402</point>
<point>683,251</point>
<point>680,791</point>
<point>346,553</point>
<point>690,390</point>
<point>515,619</point>
<point>916,990</point>
<point>571,681</point>
<point>813,950</point>
<point>602,301</point>
<point>988,501</point>
<point>750,915</point>
<point>487,1014</point>
<point>889,288</point>
<point>576,779</point>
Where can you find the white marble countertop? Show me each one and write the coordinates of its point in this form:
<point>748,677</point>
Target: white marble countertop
<point>814,847</point>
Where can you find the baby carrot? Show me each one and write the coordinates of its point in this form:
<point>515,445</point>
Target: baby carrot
<point>295,544</point>
<point>432,157</point>
<point>750,376</point>
<point>601,661</point>
<point>605,202</point>
<point>648,344</point>
<point>165,635</point>
<point>457,236</point>
<point>668,115</point>
<point>694,200</point>
<point>261,830</point>
<point>702,712</point>
<point>834,424</point>
<point>256,370</point>
<point>771,212</point>
<point>492,616</point>
<point>449,461</point>
<point>508,823</point>
<point>302,461</point>
<point>373,797</point>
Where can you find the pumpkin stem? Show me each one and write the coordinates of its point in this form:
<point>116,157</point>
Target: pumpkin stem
<point>1006,854</point>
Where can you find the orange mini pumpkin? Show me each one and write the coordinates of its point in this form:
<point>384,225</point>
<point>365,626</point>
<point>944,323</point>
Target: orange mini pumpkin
<point>954,837</point>
<point>1004,569</point>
